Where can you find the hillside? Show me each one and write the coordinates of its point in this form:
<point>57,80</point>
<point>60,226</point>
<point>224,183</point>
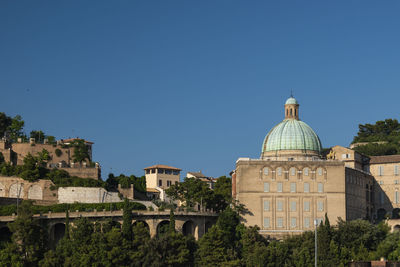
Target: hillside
<point>381,138</point>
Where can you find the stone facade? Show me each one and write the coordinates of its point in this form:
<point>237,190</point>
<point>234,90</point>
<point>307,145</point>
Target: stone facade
<point>86,195</point>
<point>161,176</point>
<point>293,184</point>
<point>14,187</point>
<point>16,152</point>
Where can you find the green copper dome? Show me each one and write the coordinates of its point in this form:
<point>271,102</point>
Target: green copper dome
<point>291,100</point>
<point>292,134</point>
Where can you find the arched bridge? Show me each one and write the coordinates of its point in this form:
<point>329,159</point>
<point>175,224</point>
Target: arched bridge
<point>193,223</point>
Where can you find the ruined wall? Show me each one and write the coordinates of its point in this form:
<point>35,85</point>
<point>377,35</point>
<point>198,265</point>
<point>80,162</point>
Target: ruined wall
<point>86,195</point>
<point>14,187</point>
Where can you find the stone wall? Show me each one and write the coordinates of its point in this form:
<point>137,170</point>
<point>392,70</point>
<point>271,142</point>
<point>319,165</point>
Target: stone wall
<point>14,187</point>
<point>86,195</point>
<point>129,193</point>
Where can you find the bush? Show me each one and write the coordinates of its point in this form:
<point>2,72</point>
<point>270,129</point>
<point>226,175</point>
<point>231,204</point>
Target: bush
<point>10,209</point>
<point>58,152</point>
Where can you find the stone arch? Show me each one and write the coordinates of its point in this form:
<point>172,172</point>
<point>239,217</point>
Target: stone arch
<point>162,227</point>
<point>2,190</point>
<point>145,224</point>
<point>5,234</point>
<point>189,228</point>
<point>396,213</point>
<point>57,232</point>
<point>381,213</point>
<point>207,226</point>
<point>16,190</point>
<point>396,228</point>
<point>35,192</point>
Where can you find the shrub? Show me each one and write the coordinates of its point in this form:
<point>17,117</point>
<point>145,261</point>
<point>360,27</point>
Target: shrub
<point>58,152</point>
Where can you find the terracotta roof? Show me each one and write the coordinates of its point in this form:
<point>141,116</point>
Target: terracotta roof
<point>70,140</point>
<point>160,166</point>
<point>384,159</point>
<point>152,190</point>
<point>197,174</point>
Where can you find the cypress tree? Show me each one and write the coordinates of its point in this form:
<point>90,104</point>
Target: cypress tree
<point>66,224</point>
<point>171,228</point>
<point>127,220</point>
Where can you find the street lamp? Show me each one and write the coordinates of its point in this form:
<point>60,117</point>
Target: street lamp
<point>316,242</point>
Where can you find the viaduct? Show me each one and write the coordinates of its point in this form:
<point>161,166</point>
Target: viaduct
<point>188,223</point>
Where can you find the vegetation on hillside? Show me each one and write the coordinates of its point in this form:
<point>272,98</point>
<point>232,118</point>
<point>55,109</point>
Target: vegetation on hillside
<point>227,243</point>
<point>7,210</point>
<point>139,183</point>
<point>386,132</point>
<point>193,192</point>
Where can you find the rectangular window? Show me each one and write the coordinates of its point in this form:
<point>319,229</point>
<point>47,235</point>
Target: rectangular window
<point>396,169</point>
<point>306,171</point>
<point>396,197</point>
<point>293,205</point>
<point>293,187</point>
<point>380,170</point>
<point>279,205</point>
<point>318,221</point>
<point>382,197</point>
<point>279,187</point>
<point>293,222</point>
<point>279,222</point>
<point>266,187</point>
<point>306,206</point>
<point>306,188</point>
<point>306,222</point>
<point>320,188</point>
<point>292,171</point>
<point>159,182</point>
<point>168,183</point>
<point>153,170</point>
<point>266,205</point>
<point>147,171</point>
<point>267,223</point>
<point>279,171</point>
<point>320,205</point>
<point>396,181</point>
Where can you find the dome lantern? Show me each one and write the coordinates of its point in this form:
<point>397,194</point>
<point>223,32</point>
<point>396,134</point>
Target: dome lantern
<point>292,108</point>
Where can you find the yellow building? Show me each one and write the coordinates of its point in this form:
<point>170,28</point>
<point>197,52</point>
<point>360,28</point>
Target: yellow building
<point>292,184</point>
<point>161,176</point>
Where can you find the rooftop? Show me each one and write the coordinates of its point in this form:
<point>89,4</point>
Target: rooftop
<point>160,166</point>
<point>384,159</point>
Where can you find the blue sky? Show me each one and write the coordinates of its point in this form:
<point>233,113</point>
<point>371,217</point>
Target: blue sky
<point>196,84</point>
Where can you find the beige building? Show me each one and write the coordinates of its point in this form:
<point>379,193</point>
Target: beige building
<point>161,176</point>
<point>61,156</point>
<point>386,170</point>
<point>293,184</point>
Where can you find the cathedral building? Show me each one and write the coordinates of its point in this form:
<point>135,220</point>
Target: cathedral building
<point>292,183</point>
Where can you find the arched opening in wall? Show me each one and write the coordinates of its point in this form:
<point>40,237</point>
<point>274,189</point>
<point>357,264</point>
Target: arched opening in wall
<point>188,228</point>
<point>2,190</point>
<point>381,213</point>
<point>5,235</point>
<point>162,227</point>
<point>109,224</point>
<point>396,213</point>
<point>207,226</point>
<point>16,190</point>
<point>35,192</point>
<point>138,226</point>
<point>396,228</point>
<point>59,232</point>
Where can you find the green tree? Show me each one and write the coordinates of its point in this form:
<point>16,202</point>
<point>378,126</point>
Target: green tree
<point>127,220</point>
<point>16,127</point>
<point>28,234</point>
<point>5,123</point>
<point>38,135</point>
<point>81,151</point>
<point>171,228</point>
